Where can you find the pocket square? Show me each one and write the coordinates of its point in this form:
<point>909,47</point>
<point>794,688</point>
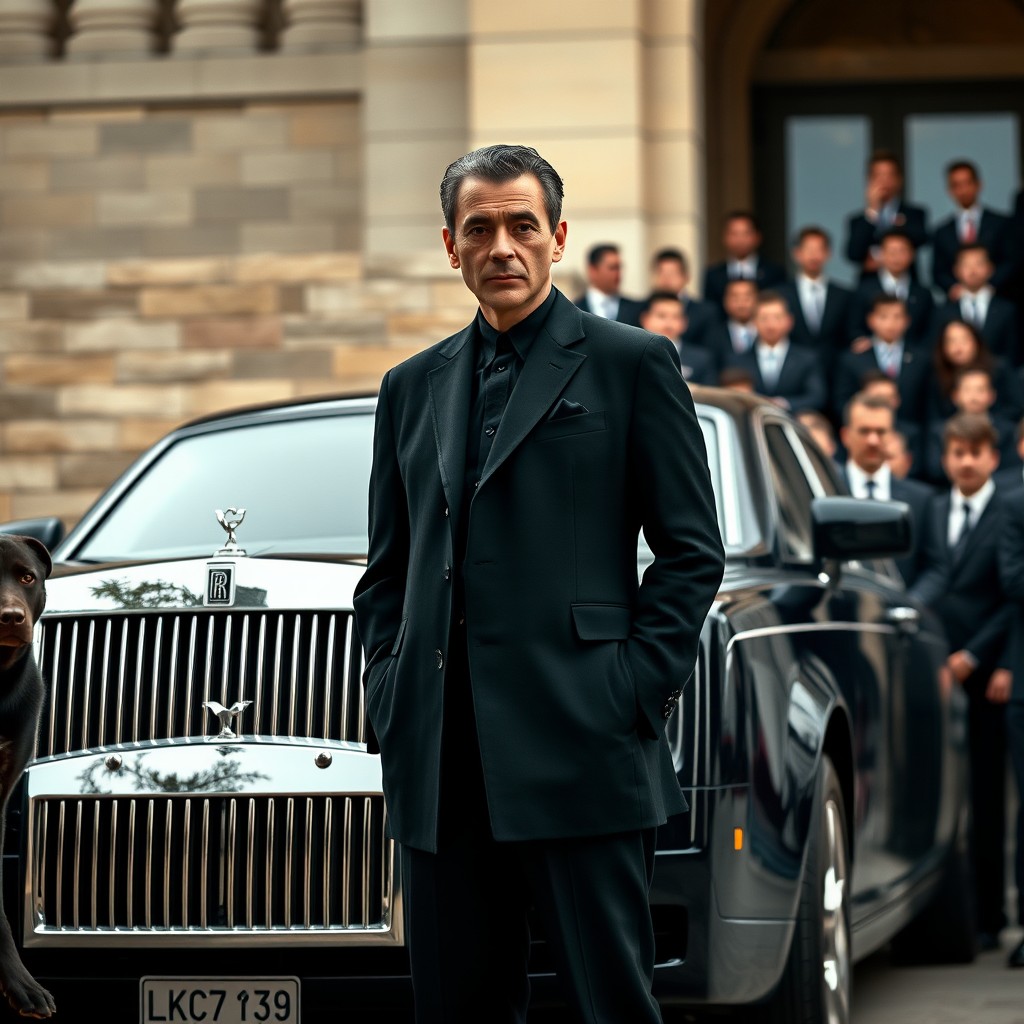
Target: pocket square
<point>566,408</point>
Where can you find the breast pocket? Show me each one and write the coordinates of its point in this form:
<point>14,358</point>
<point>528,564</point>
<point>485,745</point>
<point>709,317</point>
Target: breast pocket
<point>570,426</point>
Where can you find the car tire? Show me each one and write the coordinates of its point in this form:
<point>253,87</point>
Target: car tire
<point>816,983</point>
<point>944,932</point>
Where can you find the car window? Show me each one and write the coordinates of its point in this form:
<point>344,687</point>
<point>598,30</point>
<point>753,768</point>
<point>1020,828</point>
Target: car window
<point>824,469</point>
<point>303,483</point>
<point>793,495</point>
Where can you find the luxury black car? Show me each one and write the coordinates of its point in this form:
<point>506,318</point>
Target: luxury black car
<point>203,831</point>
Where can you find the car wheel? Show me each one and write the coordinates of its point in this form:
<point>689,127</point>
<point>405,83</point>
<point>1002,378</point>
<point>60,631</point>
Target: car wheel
<point>815,987</point>
<point>944,932</point>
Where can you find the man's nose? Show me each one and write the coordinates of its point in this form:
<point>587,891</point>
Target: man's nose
<point>501,246</point>
<point>12,615</point>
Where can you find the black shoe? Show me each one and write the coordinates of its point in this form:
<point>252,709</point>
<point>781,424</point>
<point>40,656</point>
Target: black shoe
<point>1016,958</point>
<point>987,942</point>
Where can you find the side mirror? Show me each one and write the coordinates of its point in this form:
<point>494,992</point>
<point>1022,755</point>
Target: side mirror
<point>49,531</point>
<point>846,528</point>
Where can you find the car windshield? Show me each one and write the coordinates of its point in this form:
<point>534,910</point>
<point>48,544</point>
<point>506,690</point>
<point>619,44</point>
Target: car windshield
<point>303,482</point>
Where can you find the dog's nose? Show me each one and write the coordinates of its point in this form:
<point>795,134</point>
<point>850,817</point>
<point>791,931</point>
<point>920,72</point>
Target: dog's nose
<point>12,616</point>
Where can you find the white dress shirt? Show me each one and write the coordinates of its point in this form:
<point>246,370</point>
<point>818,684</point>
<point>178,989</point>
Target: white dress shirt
<point>974,305</point>
<point>769,361</point>
<point>898,286</point>
<point>972,215</point>
<point>812,293</point>
<point>747,269</point>
<point>882,490</point>
<point>602,304</point>
<point>742,336</point>
<point>977,503</point>
<point>888,356</point>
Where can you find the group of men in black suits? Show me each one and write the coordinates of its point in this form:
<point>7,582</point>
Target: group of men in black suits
<point>918,422</point>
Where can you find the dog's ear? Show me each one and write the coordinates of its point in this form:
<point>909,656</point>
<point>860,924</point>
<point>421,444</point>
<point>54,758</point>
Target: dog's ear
<point>40,549</point>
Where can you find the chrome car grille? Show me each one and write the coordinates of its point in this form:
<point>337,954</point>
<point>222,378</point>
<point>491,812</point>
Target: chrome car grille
<point>130,677</point>
<point>218,866</point>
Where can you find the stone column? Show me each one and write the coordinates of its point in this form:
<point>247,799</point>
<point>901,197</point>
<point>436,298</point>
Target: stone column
<point>112,27</point>
<point>320,24</point>
<point>217,26</point>
<point>25,29</point>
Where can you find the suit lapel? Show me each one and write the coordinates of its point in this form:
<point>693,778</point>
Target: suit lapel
<point>549,366</point>
<point>975,536</point>
<point>449,387</point>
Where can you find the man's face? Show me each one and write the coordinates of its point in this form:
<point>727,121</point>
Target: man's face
<point>740,238</point>
<point>963,187</point>
<point>811,255</point>
<point>969,465</point>
<point>773,322</point>
<point>665,317</point>
<point>889,322</point>
<point>897,255</point>
<point>740,301</point>
<point>504,246</point>
<point>866,437</point>
<point>973,269</point>
<point>606,276</point>
<point>886,177</point>
<point>974,393</point>
<point>669,276</point>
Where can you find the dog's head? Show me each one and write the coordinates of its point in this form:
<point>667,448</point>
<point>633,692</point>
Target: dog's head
<point>24,565</point>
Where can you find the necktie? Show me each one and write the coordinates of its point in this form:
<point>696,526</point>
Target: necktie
<point>891,363</point>
<point>972,311</point>
<point>965,530</point>
<point>816,308</point>
<point>870,486</point>
<point>770,373</point>
<point>970,232</point>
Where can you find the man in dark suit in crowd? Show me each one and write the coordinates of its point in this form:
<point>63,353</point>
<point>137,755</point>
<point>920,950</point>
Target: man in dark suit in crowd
<point>787,374</point>
<point>738,333</point>
<point>893,277</point>
<point>888,351</point>
<point>964,588</point>
<point>518,677</point>
<point>1011,566</point>
<point>664,315</point>
<point>820,307</point>
<point>867,424</point>
<point>881,385</point>
<point>972,224</point>
<point>741,239</point>
<point>977,304</point>
<point>670,272</point>
<point>884,209</point>
<point>604,279</point>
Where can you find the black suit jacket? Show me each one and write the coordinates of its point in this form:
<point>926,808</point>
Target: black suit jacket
<point>1011,570</point>
<point>994,232</point>
<point>832,335</point>
<point>696,364</point>
<point>701,317</point>
<point>800,382</point>
<point>914,379</point>
<point>716,277</point>
<point>570,660</point>
<point>861,234</point>
<point>965,590</point>
<point>629,309</point>
<point>919,302</point>
<point>999,329</point>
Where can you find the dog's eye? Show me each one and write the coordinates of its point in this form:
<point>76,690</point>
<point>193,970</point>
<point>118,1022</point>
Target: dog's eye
<point>28,578</point>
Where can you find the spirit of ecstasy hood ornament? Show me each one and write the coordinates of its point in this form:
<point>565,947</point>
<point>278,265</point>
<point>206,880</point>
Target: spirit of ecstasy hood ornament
<point>230,521</point>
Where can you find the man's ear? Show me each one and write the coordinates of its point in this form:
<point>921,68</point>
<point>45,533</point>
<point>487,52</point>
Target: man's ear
<point>449,245</point>
<point>560,232</point>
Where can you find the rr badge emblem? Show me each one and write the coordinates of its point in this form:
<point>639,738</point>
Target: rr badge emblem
<point>220,584</point>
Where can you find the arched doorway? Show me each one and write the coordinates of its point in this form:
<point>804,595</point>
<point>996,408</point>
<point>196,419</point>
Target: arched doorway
<point>800,91</point>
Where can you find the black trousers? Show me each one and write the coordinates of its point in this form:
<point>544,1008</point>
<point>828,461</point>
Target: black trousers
<point>466,906</point>
<point>1015,738</point>
<point>987,749</point>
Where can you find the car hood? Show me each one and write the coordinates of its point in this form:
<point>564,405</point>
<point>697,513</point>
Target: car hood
<point>275,583</point>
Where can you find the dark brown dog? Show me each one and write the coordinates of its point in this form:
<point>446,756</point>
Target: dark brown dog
<point>24,566</point>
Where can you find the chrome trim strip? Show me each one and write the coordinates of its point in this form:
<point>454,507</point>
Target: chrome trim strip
<point>86,685</point>
<point>94,896</point>
<point>346,672</point>
<point>172,681</point>
<point>243,659</point>
<point>77,863</point>
<point>187,850</point>
<point>261,651</point>
<point>293,675</point>
<point>149,864</point>
<point>120,681</point>
<point>69,702</point>
<point>328,857</point>
<point>329,674</point>
<point>60,865</point>
<point>207,671</point>
<point>229,850</point>
<point>250,861</point>
<point>808,627</point>
<point>307,865</point>
<point>346,863</point>
<point>276,681</point>
<point>367,846</point>
<point>139,651</point>
<point>203,863</point>
<point>113,865</point>
<point>168,833</point>
<point>155,694</point>
<point>314,632</point>
<point>53,688</point>
<point>225,658</point>
<point>190,678</point>
<point>131,864</point>
<point>106,675</point>
<point>270,863</point>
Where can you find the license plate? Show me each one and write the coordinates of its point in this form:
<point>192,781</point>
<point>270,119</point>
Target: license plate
<point>219,1000</point>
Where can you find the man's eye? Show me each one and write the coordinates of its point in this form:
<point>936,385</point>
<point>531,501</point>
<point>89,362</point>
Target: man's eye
<point>28,578</point>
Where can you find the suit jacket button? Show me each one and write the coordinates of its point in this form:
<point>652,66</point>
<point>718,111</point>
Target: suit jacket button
<point>446,511</point>
<point>439,658</point>
<point>447,574</point>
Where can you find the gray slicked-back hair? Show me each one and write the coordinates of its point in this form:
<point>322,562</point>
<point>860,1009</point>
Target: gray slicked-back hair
<point>499,164</point>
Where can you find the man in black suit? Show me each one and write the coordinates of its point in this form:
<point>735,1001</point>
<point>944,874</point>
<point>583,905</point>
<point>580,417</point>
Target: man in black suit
<point>881,385</point>
<point>741,240</point>
<point>664,315</point>
<point>790,376</point>
<point>820,307</point>
<point>893,277</point>
<point>964,588</point>
<point>867,424</point>
<point>888,351</point>
<point>670,272</point>
<point>972,224</point>
<point>728,339</point>
<point>518,677</point>
<point>884,209</point>
<point>604,278</point>
<point>977,304</point>
<point>1011,566</point>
